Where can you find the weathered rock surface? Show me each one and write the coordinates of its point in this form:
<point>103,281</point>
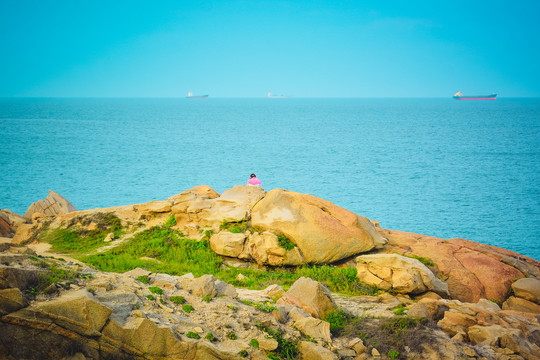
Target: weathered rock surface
<point>312,351</point>
<point>53,204</point>
<point>310,296</point>
<point>9,222</point>
<point>399,273</point>
<point>322,231</point>
<point>471,270</point>
<point>528,289</point>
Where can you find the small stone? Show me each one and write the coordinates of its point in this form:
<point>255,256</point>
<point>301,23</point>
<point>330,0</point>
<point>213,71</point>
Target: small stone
<point>469,351</point>
<point>375,352</point>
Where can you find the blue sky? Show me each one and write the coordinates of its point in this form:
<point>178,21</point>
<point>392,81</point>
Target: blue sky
<point>94,48</point>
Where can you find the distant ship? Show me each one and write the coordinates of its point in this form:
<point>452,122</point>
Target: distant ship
<point>270,95</point>
<point>459,96</point>
<point>191,96</point>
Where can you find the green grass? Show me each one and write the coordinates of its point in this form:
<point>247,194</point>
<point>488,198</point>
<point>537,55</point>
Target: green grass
<point>236,227</point>
<point>178,300</point>
<point>424,260</point>
<point>75,238</point>
<point>337,320</point>
<point>171,221</point>
<point>156,290</point>
<point>286,350</point>
<point>179,255</point>
<point>285,242</point>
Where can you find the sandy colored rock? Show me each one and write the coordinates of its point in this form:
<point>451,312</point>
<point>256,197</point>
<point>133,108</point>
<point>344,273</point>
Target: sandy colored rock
<point>456,322</point>
<point>53,204</point>
<point>203,286</point>
<point>519,304</point>
<point>310,296</point>
<point>322,231</point>
<point>204,190</point>
<point>312,351</point>
<point>427,308</point>
<point>488,334</point>
<point>316,328</point>
<point>11,300</point>
<point>23,233</point>
<point>398,273</point>
<point>156,206</point>
<point>227,243</point>
<point>234,204</point>
<point>528,289</point>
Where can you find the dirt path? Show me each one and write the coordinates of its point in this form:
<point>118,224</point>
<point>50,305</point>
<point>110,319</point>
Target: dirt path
<point>43,250</point>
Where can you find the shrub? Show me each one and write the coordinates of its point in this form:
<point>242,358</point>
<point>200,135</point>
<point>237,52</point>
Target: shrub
<point>156,290</point>
<point>284,242</point>
<point>231,335</point>
<point>337,320</point>
<point>393,354</point>
<point>170,222</point>
<point>210,337</point>
<point>150,297</point>
<point>254,343</point>
<point>207,298</point>
<point>187,308</point>
<point>243,353</point>
<point>143,279</point>
<point>193,335</point>
<point>178,300</point>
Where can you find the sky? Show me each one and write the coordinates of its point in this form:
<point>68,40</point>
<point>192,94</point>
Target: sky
<point>95,48</point>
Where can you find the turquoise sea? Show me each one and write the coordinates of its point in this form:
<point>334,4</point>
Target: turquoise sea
<point>468,169</point>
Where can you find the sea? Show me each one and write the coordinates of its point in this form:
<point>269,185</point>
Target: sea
<point>440,167</point>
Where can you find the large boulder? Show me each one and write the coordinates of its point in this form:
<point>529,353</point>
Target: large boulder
<point>472,271</point>
<point>310,296</point>
<point>227,243</point>
<point>528,289</point>
<point>322,231</point>
<point>53,204</point>
<point>398,273</point>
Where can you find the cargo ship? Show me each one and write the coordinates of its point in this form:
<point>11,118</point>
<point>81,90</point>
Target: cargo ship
<point>459,96</point>
<point>191,96</point>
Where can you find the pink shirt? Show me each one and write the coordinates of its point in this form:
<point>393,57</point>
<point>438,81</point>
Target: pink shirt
<point>254,181</point>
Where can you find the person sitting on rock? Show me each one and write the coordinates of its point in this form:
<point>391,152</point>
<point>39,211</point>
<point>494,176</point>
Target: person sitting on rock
<point>253,181</point>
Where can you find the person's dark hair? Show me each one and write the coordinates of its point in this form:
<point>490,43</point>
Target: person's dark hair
<point>252,176</point>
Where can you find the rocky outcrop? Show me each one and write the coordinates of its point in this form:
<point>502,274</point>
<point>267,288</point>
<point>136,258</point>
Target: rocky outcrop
<point>528,289</point>
<point>9,222</point>
<point>322,231</point>
<point>53,204</point>
<point>398,273</point>
<point>310,296</point>
<point>471,270</point>
<point>204,210</point>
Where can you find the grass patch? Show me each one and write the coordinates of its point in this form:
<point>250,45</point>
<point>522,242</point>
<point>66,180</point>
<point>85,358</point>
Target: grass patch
<point>156,290</point>
<point>188,308</point>
<point>285,242</point>
<point>76,238</point>
<point>424,260</point>
<point>143,279</point>
<point>254,343</point>
<point>170,222</point>
<point>338,320</point>
<point>178,300</point>
<point>235,227</point>
<point>286,350</point>
<point>210,337</point>
<point>179,255</point>
<point>193,335</point>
